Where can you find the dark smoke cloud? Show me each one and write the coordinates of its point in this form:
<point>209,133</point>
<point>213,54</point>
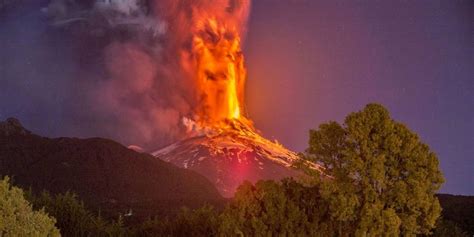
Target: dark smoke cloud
<point>115,68</point>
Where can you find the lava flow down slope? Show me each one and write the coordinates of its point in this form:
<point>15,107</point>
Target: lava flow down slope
<point>221,142</point>
<point>231,154</point>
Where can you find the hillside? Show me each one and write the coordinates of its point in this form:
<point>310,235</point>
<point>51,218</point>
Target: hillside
<point>231,154</point>
<point>102,172</point>
<point>458,209</point>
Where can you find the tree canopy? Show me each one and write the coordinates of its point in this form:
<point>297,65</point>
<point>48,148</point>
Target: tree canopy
<point>381,178</point>
<point>73,218</point>
<point>17,217</point>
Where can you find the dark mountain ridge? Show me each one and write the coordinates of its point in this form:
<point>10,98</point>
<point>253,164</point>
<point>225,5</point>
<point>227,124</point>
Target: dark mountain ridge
<point>458,209</point>
<point>102,172</point>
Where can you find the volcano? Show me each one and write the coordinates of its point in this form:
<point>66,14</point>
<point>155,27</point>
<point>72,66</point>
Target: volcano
<point>221,142</point>
<point>228,155</point>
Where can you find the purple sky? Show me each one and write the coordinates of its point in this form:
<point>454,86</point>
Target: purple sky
<point>309,62</point>
<point>314,61</point>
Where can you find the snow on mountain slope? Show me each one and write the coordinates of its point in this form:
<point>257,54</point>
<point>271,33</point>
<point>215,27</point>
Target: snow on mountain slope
<point>229,155</point>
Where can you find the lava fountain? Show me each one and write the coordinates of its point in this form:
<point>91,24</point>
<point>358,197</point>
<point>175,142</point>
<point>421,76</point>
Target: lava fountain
<point>220,72</point>
<point>216,64</point>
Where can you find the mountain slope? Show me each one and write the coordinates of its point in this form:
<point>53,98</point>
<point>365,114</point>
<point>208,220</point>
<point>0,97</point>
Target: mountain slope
<point>458,209</point>
<point>231,154</point>
<point>102,172</point>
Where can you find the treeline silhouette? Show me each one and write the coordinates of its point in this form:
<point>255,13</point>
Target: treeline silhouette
<point>268,207</point>
<point>379,179</point>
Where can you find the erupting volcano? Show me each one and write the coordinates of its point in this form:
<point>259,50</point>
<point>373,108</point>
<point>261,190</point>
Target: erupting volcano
<point>221,142</point>
<point>178,74</point>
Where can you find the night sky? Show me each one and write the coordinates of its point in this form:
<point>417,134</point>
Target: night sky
<point>308,62</point>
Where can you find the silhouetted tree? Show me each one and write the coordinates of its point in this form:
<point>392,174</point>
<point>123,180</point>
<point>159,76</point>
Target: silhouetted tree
<point>198,222</point>
<point>381,177</point>
<point>448,228</point>
<point>73,218</point>
<point>263,210</point>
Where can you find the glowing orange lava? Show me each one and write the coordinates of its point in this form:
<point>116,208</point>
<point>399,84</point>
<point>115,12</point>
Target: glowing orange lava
<point>220,71</point>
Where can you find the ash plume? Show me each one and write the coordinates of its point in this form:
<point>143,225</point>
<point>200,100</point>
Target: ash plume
<point>135,59</point>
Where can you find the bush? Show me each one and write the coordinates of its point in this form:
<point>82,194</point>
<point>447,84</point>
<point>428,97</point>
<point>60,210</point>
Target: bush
<point>17,217</point>
<point>448,228</point>
<point>73,219</point>
<point>199,222</point>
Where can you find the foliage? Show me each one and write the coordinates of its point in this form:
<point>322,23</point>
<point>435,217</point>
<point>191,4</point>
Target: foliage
<point>260,210</point>
<point>263,210</point>
<point>382,179</point>
<point>17,217</point>
<point>448,228</point>
<point>73,219</point>
<point>199,222</point>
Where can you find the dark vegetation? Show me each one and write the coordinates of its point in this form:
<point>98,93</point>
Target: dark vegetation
<point>381,181</point>
<point>458,211</point>
<point>270,206</point>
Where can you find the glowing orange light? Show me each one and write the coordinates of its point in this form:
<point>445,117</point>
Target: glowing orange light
<point>220,71</point>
